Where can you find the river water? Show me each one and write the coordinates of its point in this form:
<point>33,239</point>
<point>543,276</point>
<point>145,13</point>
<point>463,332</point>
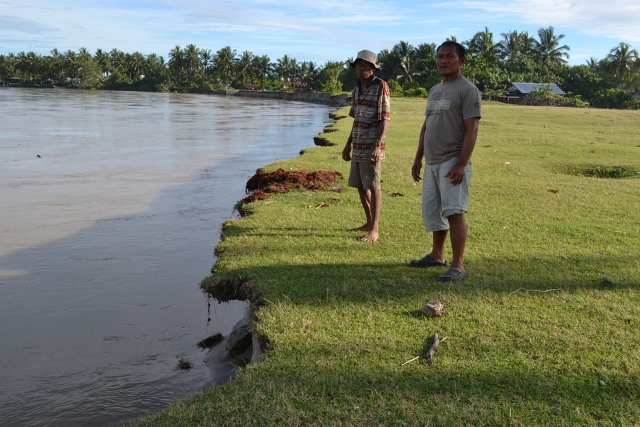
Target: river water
<point>110,205</point>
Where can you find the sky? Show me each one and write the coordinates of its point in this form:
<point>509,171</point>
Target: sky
<point>306,30</point>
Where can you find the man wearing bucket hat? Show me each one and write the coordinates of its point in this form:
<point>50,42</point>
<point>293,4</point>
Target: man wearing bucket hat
<point>366,143</point>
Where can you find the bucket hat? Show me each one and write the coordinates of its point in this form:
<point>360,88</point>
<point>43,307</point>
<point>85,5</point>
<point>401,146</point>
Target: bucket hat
<point>366,55</point>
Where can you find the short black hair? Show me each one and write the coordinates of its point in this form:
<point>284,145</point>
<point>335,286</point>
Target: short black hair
<point>459,48</point>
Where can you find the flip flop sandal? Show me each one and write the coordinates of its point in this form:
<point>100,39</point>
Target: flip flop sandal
<point>427,262</point>
<point>452,275</point>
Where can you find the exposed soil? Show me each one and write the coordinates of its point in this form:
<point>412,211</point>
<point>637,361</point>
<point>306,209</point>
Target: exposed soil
<point>281,181</point>
<point>227,288</point>
<point>321,141</point>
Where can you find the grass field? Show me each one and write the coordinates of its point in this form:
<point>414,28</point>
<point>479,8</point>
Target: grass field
<point>543,332</point>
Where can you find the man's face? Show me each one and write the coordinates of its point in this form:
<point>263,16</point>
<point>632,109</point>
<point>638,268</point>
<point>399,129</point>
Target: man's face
<point>448,61</point>
<point>364,69</point>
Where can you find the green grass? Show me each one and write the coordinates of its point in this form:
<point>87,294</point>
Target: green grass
<point>543,332</point>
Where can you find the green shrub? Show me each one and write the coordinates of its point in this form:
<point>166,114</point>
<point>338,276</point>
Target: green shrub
<point>602,171</point>
<point>418,92</point>
<point>611,98</point>
<point>394,87</point>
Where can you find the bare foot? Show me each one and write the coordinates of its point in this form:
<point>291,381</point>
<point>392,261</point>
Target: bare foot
<point>365,227</point>
<point>371,236</point>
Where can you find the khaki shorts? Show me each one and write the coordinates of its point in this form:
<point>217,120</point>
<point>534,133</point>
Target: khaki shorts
<point>440,199</point>
<point>364,175</point>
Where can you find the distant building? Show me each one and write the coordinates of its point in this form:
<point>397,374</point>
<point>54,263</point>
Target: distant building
<point>523,89</point>
<point>14,81</point>
<point>517,92</point>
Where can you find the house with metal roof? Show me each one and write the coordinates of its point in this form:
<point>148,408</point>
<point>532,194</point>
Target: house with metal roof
<point>522,89</point>
<point>517,93</point>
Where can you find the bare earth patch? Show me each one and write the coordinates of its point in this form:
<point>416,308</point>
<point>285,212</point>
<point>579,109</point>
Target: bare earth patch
<point>282,181</point>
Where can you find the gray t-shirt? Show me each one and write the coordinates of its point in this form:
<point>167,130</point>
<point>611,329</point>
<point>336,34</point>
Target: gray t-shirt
<point>448,106</point>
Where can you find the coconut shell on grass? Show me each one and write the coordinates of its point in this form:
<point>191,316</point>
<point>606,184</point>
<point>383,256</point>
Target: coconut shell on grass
<point>433,309</point>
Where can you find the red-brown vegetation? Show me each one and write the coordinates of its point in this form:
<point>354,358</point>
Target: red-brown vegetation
<point>282,181</point>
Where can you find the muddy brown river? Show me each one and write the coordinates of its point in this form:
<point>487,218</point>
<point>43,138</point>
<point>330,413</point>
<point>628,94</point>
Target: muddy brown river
<point>110,205</point>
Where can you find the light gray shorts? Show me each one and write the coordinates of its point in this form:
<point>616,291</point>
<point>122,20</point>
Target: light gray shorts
<point>364,175</point>
<point>440,199</point>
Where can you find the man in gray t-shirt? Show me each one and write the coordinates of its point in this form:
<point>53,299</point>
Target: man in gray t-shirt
<point>447,139</point>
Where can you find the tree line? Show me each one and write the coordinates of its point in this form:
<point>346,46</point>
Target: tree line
<point>410,70</point>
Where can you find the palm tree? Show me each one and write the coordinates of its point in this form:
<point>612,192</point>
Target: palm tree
<point>286,68</point>
<point>24,65</point>
<point>206,60</point>
<point>88,71</point>
<point>6,66</point>
<point>104,62</point>
<point>308,73</point>
<point>56,62</point>
<point>514,46</point>
<point>135,64</point>
<point>118,60</point>
<point>176,62</point>
<point>243,66</point>
<point>48,67</point>
<point>406,62</point>
<point>71,64</point>
<point>621,62</point>
<point>83,53</point>
<point>548,49</point>
<point>592,64</point>
<point>263,67</point>
<point>386,60</point>
<point>153,65</point>
<point>192,61</point>
<point>482,45</point>
<point>543,91</point>
<point>225,62</point>
<point>426,51</point>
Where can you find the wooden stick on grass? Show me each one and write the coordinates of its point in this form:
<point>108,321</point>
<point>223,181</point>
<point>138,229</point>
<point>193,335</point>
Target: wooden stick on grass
<point>409,361</point>
<point>430,352</point>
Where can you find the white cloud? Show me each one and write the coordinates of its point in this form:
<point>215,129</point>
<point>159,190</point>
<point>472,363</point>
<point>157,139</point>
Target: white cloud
<point>618,19</point>
<point>21,25</point>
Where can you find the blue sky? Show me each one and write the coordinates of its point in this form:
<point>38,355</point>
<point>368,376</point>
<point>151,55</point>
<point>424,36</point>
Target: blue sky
<point>316,31</point>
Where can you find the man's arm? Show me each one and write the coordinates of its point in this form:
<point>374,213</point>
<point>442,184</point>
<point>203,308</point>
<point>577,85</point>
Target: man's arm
<point>382,134</point>
<point>346,152</point>
<point>417,162</point>
<point>456,174</point>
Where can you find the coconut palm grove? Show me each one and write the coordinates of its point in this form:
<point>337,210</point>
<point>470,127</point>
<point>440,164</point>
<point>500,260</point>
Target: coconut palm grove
<point>610,82</point>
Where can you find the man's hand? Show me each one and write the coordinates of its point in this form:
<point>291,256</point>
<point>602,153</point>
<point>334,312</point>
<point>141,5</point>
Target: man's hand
<point>376,155</point>
<point>346,153</point>
<point>456,174</point>
<point>415,170</point>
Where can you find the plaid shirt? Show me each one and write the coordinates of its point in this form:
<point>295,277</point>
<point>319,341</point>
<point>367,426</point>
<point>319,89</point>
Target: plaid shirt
<point>370,106</point>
